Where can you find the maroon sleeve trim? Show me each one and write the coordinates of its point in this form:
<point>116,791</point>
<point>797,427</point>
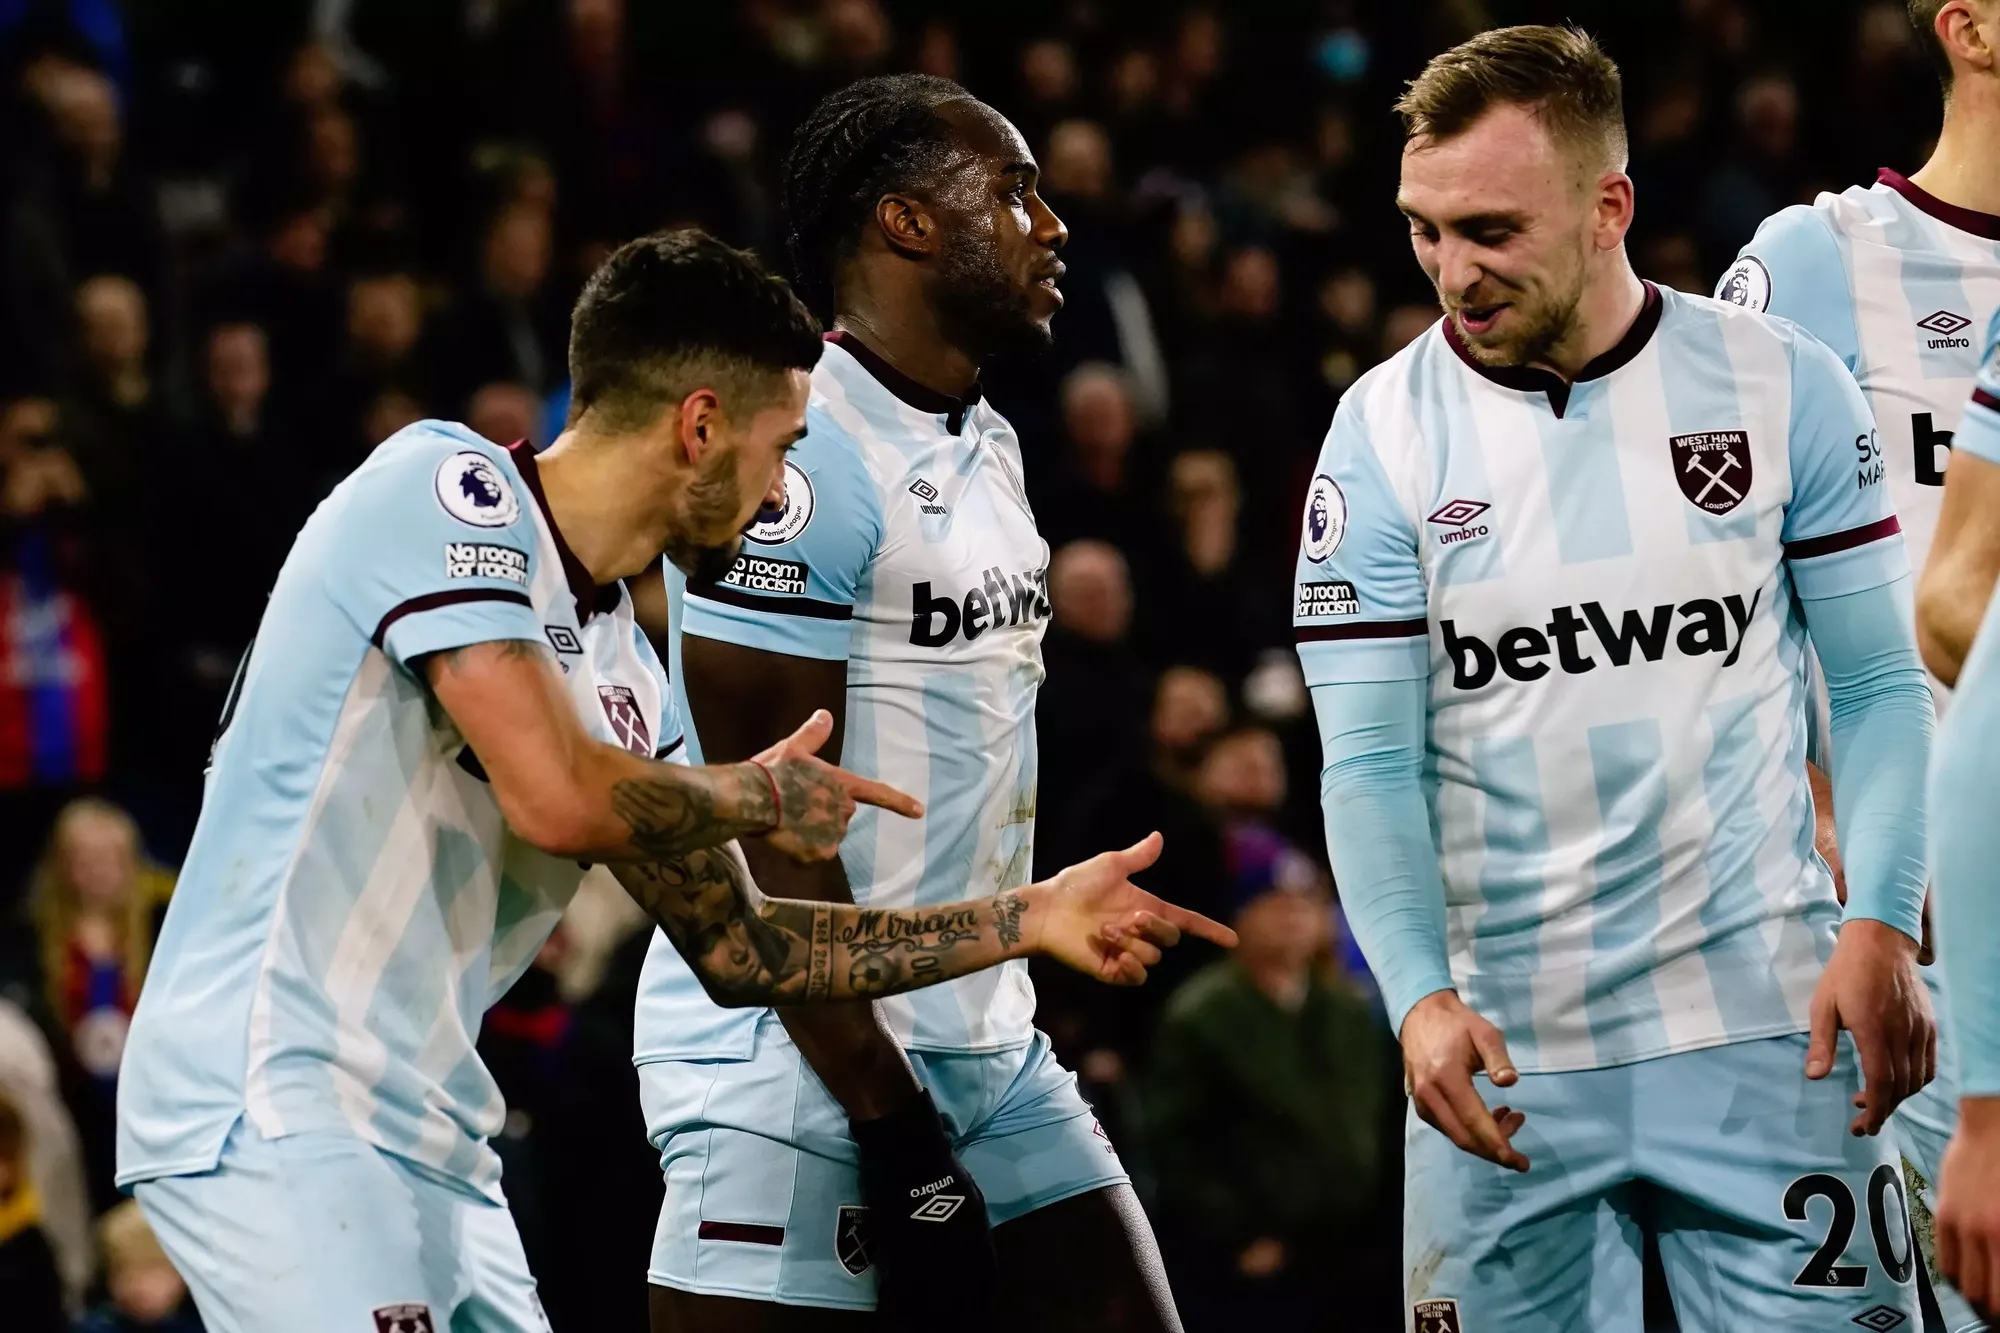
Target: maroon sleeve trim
<point>1365,629</point>
<point>431,601</point>
<point>1842,541</point>
<point>743,1233</point>
<point>1985,399</point>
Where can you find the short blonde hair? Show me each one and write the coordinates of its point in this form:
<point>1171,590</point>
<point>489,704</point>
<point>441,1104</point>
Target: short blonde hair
<point>1561,74</point>
<point>126,1239</point>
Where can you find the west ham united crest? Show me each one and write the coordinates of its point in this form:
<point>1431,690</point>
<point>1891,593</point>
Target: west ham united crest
<point>1713,468</point>
<point>628,725</point>
<point>850,1239</point>
<point>408,1318</point>
<point>1437,1317</point>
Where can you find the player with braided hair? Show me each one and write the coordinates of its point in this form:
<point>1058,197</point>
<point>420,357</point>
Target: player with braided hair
<point>822,1165</point>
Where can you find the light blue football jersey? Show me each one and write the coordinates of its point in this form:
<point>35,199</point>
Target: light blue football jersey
<point>907,549</point>
<point>353,900</point>
<point>1900,284</point>
<point>1599,582</point>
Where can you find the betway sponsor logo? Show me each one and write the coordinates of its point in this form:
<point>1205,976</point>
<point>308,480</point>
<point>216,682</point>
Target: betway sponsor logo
<point>1580,637</point>
<point>998,601</point>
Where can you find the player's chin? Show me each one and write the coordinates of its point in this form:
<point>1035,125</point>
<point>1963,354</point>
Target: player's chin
<point>705,565</point>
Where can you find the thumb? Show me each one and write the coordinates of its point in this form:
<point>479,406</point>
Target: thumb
<point>1141,853</point>
<point>809,737</point>
<point>1825,1032</point>
<point>1492,1048</point>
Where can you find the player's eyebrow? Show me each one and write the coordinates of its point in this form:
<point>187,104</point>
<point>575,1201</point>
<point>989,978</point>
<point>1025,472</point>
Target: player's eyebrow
<point>1471,222</point>
<point>1026,169</point>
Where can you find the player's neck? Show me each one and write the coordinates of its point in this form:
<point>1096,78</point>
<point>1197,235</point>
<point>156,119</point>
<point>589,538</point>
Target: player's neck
<point>604,520</point>
<point>1960,171</point>
<point>1610,306</point>
<point>906,334</point>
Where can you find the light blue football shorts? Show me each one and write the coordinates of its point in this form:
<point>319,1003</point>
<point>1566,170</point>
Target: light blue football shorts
<point>763,1199</point>
<point>1770,1215</point>
<point>323,1233</point>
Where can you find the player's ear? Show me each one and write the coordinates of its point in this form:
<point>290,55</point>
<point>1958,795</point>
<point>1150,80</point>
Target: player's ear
<point>699,419</point>
<point>907,224</point>
<point>1612,213</point>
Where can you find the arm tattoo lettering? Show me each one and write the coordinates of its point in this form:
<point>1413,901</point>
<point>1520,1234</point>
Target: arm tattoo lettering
<point>751,950</point>
<point>1008,909</point>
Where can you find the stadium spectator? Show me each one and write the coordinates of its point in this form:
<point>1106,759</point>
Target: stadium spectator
<point>1212,577</point>
<point>504,413</point>
<point>143,1292</point>
<point>1269,1080</point>
<point>509,323</point>
<point>51,638</point>
<point>1100,1034</point>
<point>31,1293</point>
<point>95,902</point>
<point>29,1079</point>
<point>1091,705</point>
<point>1091,490</point>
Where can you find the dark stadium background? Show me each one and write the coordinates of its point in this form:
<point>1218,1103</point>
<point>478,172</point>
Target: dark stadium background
<point>240,242</point>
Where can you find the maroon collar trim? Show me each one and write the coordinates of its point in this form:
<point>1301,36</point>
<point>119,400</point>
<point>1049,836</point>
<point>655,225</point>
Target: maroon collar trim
<point>589,597</point>
<point>920,396</point>
<point>1534,379</point>
<point>1986,225</point>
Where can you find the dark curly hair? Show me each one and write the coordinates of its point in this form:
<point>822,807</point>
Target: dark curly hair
<point>673,311</point>
<point>868,139</point>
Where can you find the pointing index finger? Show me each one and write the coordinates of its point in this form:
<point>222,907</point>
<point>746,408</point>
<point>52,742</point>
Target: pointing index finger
<point>1194,923</point>
<point>870,792</point>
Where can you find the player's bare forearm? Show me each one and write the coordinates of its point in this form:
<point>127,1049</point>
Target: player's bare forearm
<point>572,795</point>
<point>748,949</point>
<point>848,1044</point>
<point>1960,571</point>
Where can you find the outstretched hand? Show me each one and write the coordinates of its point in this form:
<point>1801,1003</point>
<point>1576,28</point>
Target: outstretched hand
<point>1094,918</point>
<point>812,800</point>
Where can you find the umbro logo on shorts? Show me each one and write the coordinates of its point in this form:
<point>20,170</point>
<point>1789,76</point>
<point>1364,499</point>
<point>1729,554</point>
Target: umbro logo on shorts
<point>1881,1319</point>
<point>1437,1317</point>
<point>938,1208</point>
<point>407,1318</point>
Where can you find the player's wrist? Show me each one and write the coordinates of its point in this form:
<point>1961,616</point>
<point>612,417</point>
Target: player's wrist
<point>1432,1003</point>
<point>1883,929</point>
<point>1021,916</point>
<point>758,803</point>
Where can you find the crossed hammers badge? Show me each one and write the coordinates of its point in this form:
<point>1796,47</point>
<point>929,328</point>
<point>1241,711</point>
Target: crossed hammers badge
<point>1713,468</point>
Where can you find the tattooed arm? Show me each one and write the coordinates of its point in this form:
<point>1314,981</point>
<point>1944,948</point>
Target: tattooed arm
<point>748,949</point>
<point>572,795</point>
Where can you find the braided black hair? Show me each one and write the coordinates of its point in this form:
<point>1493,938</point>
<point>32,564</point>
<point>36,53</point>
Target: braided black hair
<point>866,140</point>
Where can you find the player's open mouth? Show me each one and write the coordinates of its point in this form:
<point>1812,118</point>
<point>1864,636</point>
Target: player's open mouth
<point>1047,282</point>
<point>1479,319</point>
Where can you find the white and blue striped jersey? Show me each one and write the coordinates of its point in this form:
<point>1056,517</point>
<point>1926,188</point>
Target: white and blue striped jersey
<point>1899,284</point>
<point>906,548</point>
<point>353,901</point>
<point>1598,581</point>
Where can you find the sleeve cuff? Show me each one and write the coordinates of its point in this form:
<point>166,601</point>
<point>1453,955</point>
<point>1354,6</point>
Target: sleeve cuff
<point>796,627</point>
<point>1848,562</point>
<point>439,621</point>
<point>1401,652</point>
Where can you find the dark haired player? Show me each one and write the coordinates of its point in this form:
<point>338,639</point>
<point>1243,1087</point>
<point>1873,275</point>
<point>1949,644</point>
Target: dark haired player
<point>902,589</point>
<point>448,708</point>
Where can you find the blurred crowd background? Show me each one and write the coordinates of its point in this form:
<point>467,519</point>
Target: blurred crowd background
<point>241,241</point>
